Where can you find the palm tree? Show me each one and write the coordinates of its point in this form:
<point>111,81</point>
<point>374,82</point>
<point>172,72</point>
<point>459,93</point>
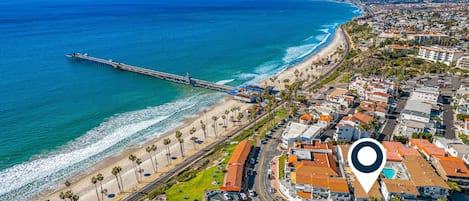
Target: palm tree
<point>100,178</point>
<point>233,110</point>
<point>154,148</point>
<point>62,195</point>
<point>181,142</point>
<point>215,118</point>
<point>166,142</point>
<point>227,112</point>
<point>140,170</point>
<point>68,195</point>
<point>251,117</point>
<point>149,150</point>
<point>240,116</point>
<point>75,198</point>
<point>116,172</point>
<point>204,128</point>
<point>193,138</point>
<point>94,181</point>
<point>224,121</point>
<point>67,184</point>
<point>133,158</point>
<point>181,146</point>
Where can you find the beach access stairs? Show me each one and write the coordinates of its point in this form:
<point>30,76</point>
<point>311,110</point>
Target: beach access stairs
<point>187,80</point>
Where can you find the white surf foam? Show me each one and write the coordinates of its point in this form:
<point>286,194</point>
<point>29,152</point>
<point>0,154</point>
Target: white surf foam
<point>321,37</point>
<point>222,82</point>
<point>298,52</point>
<point>246,76</point>
<point>325,30</point>
<point>49,170</point>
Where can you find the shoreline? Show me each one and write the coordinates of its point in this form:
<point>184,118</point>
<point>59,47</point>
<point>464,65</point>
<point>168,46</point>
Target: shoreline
<point>81,184</point>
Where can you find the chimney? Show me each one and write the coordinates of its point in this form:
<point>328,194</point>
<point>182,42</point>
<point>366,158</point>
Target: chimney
<point>458,170</point>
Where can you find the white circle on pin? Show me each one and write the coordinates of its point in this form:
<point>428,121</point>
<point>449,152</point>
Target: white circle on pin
<point>367,156</point>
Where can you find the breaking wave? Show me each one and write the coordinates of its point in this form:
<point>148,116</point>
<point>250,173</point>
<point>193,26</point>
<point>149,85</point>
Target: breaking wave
<point>110,137</point>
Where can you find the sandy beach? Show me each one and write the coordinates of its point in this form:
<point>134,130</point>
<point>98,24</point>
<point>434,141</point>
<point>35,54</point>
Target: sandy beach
<point>312,65</point>
<point>81,183</point>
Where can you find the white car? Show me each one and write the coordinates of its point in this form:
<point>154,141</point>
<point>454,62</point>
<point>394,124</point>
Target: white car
<point>226,196</point>
<point>252,193</point>
<point>243,196</point>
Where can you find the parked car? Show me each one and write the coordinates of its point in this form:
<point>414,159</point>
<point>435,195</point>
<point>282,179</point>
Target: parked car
<point>243,196</point>
<point>252,193</point>
<point>226,196</point>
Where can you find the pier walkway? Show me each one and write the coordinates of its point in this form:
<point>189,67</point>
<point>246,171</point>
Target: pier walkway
<point>157,74</point>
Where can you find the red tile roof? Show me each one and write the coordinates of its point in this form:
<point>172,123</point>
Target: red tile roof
<point>306,117</point>
<point>406,151</point>
<point>382,94</point>
<point>392,146</point>
<point>363,118</point>
<point>327,118</point>
<point>426,147</point>
<point>453,166</point>
<point>234,175</point>
<point>392,156</point>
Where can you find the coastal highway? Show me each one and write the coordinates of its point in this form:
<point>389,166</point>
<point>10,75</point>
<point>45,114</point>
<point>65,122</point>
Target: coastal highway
<point>334,66</point>
<point>145,190</point>
<point>179,168</point>
<point>268,151</point>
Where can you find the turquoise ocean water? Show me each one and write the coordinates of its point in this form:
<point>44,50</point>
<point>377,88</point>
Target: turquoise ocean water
<point>59,117</point>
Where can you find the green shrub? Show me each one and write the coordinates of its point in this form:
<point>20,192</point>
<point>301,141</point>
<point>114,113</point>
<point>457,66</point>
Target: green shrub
<point>402,139</point>
<point>160,190</point>
<point>186,176</point>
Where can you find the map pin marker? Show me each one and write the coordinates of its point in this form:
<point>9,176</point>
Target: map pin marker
<point>367,158</point>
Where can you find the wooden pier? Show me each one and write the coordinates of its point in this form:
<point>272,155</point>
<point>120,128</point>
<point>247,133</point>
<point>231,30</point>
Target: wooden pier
<point>157,74</point>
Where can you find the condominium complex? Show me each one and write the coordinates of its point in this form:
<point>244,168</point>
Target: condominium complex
<point>439,54</point>
<point>463,62</point>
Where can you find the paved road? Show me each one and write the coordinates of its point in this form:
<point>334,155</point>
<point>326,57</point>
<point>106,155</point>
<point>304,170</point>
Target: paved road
<point>391,120</point>
<point>448,114</point>
<point>139,194</point>
<point>260,181</point>
<point>334,66</point>
<point>448,118</point>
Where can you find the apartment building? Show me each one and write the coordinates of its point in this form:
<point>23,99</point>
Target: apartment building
<point>452,169</point>
<point>403,188</point>
<point>425,94</point>
<point>460,151</point>
<point>426,148</point>
<point>439,54</point>
<point>348,128</point>
<point>463,62</point>
<point>297,132</point>
<point>313,173</point>
<point>423,176</point>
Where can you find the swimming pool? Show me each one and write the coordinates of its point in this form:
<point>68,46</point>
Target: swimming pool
<point>389,172</point>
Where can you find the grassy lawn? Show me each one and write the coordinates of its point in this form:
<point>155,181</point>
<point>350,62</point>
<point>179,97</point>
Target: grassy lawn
<point>282,113</point>
<point>194,188</point>
<point>281,166</point>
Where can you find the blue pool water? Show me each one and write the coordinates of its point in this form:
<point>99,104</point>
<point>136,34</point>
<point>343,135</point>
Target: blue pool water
<point>389,172</point>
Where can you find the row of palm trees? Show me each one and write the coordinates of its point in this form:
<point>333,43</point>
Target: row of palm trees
<point>68,194</point>
<point>97,180</point>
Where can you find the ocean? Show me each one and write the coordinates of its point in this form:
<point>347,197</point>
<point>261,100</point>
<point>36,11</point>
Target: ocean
<point>59,117</point>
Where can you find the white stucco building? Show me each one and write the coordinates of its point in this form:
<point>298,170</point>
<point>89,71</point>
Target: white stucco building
<point>439,54</point>
<point>425,94</point>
